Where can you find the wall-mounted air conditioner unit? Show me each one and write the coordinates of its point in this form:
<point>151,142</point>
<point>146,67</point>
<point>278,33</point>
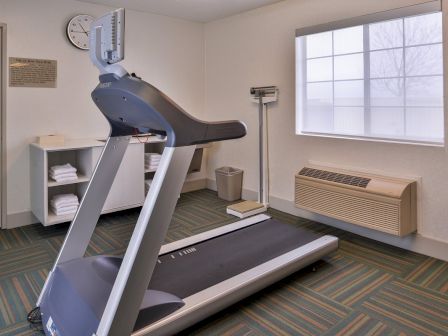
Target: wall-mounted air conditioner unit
<point>372,201</point>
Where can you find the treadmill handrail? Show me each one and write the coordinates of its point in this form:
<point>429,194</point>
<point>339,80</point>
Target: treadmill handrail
<point>133,106</point>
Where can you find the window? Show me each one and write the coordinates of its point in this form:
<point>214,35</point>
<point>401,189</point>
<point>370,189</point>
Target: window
<point>379,80</point>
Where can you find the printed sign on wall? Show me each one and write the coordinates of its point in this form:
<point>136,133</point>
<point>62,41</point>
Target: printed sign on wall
<point>31,72</point>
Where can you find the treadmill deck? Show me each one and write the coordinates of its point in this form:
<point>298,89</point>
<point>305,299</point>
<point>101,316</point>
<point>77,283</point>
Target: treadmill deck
<point>191,269</point>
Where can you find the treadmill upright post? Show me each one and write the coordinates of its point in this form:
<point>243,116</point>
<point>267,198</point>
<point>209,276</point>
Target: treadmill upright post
<point>143,250</point>
<point>89,211</point>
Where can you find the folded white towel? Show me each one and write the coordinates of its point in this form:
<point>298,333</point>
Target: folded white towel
<point>64,210</point>
<point>151,167</point>
<point>153,155</point>
<point>152,158</point>
<point>63,204</point>
<point>52,174</point>
<point>64,177</point>
<point>58,205</point>
<point>152,161</point>
<point>60,169</point>
<point>64,199</point>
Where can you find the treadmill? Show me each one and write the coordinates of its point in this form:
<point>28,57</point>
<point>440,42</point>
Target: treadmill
<point>155,289</point>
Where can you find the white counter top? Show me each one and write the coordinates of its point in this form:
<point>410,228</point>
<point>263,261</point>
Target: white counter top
<point>87,143</point>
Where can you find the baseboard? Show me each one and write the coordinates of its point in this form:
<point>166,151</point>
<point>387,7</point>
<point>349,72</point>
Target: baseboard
<point>20,219</point>
<point>194,185</point>
<point>416,243</point>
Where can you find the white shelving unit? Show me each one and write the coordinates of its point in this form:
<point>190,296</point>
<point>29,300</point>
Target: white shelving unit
<point>127,191</point>
<point>81,179</point>
<point>76,152</point>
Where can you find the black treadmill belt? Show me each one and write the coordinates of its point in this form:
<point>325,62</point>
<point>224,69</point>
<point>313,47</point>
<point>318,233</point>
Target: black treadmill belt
<point>192,269</point>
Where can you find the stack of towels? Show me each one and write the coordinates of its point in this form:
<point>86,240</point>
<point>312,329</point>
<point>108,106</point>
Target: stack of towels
<point>64,204</point>
<point>152,161</point>
<point>63,173</point>
<point>147,185</point>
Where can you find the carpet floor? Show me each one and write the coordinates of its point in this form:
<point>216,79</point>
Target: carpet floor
<point>364,288</point>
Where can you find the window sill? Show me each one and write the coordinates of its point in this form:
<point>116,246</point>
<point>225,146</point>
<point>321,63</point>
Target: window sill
<point>373,139</point>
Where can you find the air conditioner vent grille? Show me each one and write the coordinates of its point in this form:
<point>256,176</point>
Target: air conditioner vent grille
<point>356,181</point>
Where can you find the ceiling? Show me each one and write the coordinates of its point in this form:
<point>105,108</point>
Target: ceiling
<point>194,10</point>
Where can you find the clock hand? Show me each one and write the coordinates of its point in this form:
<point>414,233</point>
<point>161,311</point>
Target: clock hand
<point>85,32</point>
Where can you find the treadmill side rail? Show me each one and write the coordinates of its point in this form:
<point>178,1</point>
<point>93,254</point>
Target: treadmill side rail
<point>182,243</point>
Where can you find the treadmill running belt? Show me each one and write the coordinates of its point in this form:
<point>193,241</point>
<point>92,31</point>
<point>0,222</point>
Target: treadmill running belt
<point>194,268</point>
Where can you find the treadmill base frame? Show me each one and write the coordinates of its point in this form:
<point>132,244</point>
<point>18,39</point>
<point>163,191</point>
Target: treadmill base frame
<point>213,299</point>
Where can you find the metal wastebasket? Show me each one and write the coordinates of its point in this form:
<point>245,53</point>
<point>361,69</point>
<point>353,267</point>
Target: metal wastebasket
<point>229,182</point>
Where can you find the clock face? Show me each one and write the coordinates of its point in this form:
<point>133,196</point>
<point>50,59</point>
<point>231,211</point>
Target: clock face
<point>78,30</point>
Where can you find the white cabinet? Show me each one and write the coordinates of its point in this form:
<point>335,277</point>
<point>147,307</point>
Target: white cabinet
<point>126,192</point>
<point>128,189</point>
<point>79,154</point>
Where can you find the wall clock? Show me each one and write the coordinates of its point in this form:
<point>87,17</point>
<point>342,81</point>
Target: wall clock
<point>78,29</point>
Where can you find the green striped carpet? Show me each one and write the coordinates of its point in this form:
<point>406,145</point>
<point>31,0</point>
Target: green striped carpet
<point>365,288</point>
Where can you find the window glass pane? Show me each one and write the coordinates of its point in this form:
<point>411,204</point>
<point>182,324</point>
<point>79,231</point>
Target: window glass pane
<point>319,119</point>
<point>387,92</point>
<point>349,120</point>
<point>424,123</point>
<point>349,67</point>
<point>320,69</point>
<point>424,91</point>
<point>318,45</point>
<point>349,40</point>
<point>423,29</point>
<point>384,35</point>
<point>386,121</point>
<point>424,60</point>
<point>320,94</point>
<point>349,93</point>
<point>398,94</point>
<point>386,63</point>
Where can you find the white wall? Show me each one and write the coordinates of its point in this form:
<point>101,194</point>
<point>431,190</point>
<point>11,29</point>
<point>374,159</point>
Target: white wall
<point>257,48</point>
<point>167,52</point>
<point>254,48</point>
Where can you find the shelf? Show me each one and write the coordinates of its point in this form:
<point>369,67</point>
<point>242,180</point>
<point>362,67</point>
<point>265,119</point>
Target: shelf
<point>54,219</point>
<point>70,144</point>
<point>150,170</point>
<point>81,179</point>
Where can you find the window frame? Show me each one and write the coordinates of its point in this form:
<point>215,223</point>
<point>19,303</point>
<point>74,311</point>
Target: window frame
<point>429,7</point>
